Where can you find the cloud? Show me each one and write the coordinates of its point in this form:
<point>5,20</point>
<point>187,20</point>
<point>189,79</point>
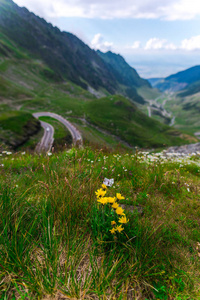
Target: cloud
<point>136,45</point>
<point>168,10</point>
<point>191,44</point>
<point>157,44</point>
<point>98,42</point>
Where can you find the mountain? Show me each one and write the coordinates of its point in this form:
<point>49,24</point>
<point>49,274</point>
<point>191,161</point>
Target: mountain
<point>66,55</point>
<point>180,80</point>
<point>190,90</point>
<point>154,81</point>
<point>124,74</point>
<point>44,69</point>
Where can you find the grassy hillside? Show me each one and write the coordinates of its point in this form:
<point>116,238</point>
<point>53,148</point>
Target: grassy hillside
<point>57,240</point>
<point>16,127</point>
<point>63,52</point>
<point>66,56</point>
<point>120,117</point>
<point>186,111</point>
<point>29,85</point>
<point>192,89</point>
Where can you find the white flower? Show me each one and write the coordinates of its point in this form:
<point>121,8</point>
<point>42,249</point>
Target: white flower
<point>108,182</point>
<point>188,189</point>
<point>23,153</point>
<point>49,153</point>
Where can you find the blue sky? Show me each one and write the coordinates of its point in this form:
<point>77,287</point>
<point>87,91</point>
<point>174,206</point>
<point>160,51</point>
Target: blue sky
<point>156,37</point>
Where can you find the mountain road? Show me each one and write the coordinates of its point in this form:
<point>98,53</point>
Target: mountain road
<point>47,140</point>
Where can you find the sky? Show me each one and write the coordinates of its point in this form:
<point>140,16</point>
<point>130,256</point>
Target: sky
<point>156,37</point>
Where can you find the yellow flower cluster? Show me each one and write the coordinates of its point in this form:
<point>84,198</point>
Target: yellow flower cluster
<point>101,198</point>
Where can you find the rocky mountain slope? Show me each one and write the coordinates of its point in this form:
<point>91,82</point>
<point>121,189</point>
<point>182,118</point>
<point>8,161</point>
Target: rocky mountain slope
<point>66,55</point>
<point>43,69</point>
<point>124,74</point>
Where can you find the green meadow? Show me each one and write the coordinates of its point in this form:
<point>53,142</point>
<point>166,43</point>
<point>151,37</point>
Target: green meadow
<point>28,85</point>
<point>56,239</point>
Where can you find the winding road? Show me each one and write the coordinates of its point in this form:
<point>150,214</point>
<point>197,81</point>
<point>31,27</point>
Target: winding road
<point>154,105</point>
<point>47,140</point>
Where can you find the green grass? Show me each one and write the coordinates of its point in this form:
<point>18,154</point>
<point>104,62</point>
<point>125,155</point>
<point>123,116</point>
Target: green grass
<point>186,111</point>
<point>148,93</point>
<point>55,239</point>
<point>124,120</point>
<point>17,127</point>
<point>30,86</point>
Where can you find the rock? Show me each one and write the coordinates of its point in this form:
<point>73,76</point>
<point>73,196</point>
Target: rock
<point>133,208</point>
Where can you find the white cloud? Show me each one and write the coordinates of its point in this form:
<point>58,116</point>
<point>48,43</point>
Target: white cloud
<point>157,44</point>
<point>170,9</point>
<point>136,45</point>
<point>98,42</point>
<point>191,44</point>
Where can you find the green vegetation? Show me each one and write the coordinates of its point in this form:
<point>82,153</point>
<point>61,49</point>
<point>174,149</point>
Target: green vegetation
<point>148,93</point>
<point>124,120</point>
<point>186,111</point>
<point>27,86</point>
<point>30,82</point>
<point>16,127</point>
<point>66,57</point>
<point>192,89</point>
<point>55,239</point>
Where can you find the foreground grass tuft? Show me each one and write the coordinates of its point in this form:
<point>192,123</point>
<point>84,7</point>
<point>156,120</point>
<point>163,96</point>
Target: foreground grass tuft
<point>56,238</point>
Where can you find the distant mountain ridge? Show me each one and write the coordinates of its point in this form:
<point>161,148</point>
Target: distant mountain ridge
<point>44,69</point>
<point>122,70</point>
<point>179,81</point>
<point>154,81</point>
<point>65,54</point>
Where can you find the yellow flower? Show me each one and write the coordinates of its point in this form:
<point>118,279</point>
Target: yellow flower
<point>111,200</point>
<point>100,193</point>
<point>120,211</point>
<point>103,200</point>
<point>113,223</point>
<point>123,220</point>
<point>115,205</point>
<point>119,196</point>
<point>113,230</point>
<point>104,187</point>
<point>119,228</point>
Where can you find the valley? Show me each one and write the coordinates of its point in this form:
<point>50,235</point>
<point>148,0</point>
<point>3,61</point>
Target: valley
<point>99,169</point>
<point>105,90</point>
